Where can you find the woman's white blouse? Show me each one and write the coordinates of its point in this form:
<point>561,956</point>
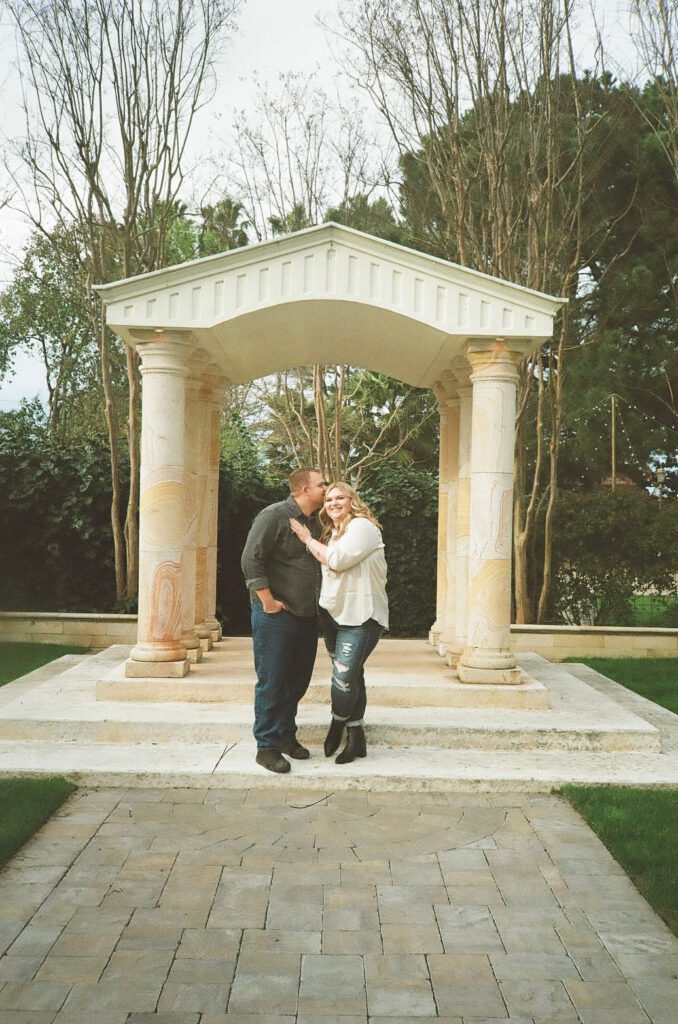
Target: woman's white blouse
<point>354,579</point>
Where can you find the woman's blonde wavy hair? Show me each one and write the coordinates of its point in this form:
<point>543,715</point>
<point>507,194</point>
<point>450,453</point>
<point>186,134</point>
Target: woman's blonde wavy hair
<point>358,510</point>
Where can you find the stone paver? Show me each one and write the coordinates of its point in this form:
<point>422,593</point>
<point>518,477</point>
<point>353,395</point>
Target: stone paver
<point>272,906</point>
<point>398,985</point>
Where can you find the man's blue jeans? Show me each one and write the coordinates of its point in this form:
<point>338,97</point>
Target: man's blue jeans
<point>285,647</point>
<point>349,648</point>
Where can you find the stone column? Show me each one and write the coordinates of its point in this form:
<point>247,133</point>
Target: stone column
<point>440,391</point>
<point>463,525</point>
<point>203,630</point>
<point>487,657</point>
<point>191,468</point>
<point>211,399</point>
<point>160,650</point>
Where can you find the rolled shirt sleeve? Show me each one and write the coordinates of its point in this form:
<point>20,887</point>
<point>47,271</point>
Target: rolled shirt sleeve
<point>258,548</point>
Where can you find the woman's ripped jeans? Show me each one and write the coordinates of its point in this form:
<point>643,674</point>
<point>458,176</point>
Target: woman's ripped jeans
<point>349,647</point>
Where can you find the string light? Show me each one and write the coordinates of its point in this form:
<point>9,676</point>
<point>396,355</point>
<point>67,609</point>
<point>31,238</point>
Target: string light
<point>634,457</point>
<point>664,429</point>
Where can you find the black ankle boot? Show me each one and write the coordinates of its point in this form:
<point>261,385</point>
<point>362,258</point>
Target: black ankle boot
<point>355,745</point>
<point>333,738</point>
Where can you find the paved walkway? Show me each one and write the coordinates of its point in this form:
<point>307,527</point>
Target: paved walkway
<point>276,906</point>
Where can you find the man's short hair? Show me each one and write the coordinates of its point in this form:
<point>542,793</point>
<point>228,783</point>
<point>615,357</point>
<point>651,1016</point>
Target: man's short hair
<point>300,478</point>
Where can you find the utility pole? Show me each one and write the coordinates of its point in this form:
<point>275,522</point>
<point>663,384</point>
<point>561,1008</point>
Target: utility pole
<point>613,399</point>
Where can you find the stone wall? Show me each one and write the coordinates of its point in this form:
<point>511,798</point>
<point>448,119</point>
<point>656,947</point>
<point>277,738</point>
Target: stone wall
<point>558,642</point>
<point>92,631</point>
<point>552,642</point>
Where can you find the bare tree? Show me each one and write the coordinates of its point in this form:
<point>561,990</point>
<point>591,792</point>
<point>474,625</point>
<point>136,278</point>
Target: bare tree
<point>297,152</point>
<point>484,99</point>
<point>111,92</point>
<point>345,421</point>
<point>656,36</point>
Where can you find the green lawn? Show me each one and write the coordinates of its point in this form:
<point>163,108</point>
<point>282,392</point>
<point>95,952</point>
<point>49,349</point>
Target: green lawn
<point>638,826</point>
<point>654,678</point>
<point>652,611</point>
<point>26,804</point>
<point>18,659</point>
<point>640,829</point>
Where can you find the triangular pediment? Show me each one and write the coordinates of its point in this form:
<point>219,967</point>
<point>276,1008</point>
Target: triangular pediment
<point>328,294</point>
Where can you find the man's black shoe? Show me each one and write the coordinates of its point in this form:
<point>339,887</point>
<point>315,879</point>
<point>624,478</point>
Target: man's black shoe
<point>294,749</point>
<point>272,760</point>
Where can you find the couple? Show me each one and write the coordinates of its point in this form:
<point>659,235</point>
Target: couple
<point>287,552</point>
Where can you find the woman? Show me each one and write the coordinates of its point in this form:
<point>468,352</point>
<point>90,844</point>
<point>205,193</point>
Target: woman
<point>351,553</point>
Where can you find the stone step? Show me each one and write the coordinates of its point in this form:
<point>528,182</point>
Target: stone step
<point>66,663</point>
<point>420,769</point>
<point>55,724</point>
<point>403,693</point>
<point>439,728</point>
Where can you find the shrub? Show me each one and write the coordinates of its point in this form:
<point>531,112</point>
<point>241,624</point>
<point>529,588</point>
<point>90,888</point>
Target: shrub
<point>608,547</point>
<point>405,501</point>
<point>244,488</point>
<point>56,545</point>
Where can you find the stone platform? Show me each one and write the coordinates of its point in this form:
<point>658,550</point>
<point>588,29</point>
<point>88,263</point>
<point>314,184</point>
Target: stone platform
<point>80,717</point>
<point>402,673</point>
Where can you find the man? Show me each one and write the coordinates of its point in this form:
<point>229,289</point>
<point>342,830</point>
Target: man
<point>284,583</point>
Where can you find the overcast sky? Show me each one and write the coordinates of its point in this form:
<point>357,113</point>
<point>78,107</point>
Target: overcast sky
<point>273,36</point>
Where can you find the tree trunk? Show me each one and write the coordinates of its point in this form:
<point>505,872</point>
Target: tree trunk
<point>112,89</point>
<point>133,437</point>
<point>114,443</point>
<point>526,505</point>
<point>556,384</point>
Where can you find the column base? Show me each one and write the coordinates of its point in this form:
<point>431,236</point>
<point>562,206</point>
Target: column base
<point>446,644</point>
<point>488,657</point>
<point>214,627</point>
<point>204,634</point>
<point>453,654</point>
<point>191,642</point>
<point>434,636</point>
<point>157,669</point>
<point>494,676</point>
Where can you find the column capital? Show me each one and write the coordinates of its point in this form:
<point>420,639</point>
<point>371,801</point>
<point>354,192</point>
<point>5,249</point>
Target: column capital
<point>496,359</point>
<point>213,386</point>
<point>445,389</point>
<point>164,351</point>
<point>465,390</point>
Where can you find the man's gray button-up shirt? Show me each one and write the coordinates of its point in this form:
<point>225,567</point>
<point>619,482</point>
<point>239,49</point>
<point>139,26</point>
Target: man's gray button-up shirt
<point>274,557</point>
